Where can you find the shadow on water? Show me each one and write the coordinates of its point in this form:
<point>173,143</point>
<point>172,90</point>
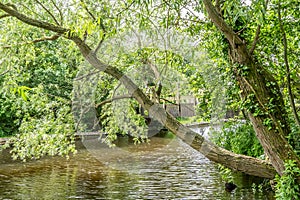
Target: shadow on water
<point>166,168</point>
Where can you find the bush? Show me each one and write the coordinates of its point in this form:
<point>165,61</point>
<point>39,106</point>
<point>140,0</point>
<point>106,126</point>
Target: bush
<point>287,187</point>
<point>238,137</point>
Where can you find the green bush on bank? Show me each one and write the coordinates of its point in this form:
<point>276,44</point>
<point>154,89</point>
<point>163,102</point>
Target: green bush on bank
<point>287,187</point>
<point>238,137</point>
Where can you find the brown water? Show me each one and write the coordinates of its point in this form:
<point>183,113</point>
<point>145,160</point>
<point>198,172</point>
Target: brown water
<point>164,169</point>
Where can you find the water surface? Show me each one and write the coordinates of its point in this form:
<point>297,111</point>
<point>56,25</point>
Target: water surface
<point>166,168</point>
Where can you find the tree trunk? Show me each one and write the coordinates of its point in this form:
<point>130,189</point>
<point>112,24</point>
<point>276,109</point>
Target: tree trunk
<point>261,95</point>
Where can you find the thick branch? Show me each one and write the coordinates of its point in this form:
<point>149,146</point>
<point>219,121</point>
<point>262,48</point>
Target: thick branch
<point>221,24</point>
<point>32,22</point>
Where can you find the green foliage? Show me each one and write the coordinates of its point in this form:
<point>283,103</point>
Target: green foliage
<point>35,106</point>
<point>238,137</point>
<point>8,119</point>
<point>120,118</point>
<point>45,126</point>
<point>226,174</point>
<point>287,186</point>
<point>294,137</point>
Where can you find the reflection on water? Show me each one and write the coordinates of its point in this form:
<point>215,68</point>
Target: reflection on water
<point>163,169</point>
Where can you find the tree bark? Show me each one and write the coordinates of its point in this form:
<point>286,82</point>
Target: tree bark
<point>267,112</point>
<point>246,164</point>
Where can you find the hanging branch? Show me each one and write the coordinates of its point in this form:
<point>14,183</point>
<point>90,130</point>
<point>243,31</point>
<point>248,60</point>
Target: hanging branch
<point>87,75</point>
<point>287,67</point>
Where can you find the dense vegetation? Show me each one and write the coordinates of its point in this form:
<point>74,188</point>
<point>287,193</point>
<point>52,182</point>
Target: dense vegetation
<point>238,55</point>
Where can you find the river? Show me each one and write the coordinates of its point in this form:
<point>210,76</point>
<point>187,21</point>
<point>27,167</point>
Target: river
<point>165,168</point>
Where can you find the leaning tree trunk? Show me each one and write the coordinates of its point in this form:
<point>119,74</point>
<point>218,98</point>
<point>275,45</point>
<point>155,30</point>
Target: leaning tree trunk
<point>246,164</point>
<point>261,96</point>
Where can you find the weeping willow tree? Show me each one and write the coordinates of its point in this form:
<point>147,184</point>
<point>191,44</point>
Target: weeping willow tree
<point>233,31</point>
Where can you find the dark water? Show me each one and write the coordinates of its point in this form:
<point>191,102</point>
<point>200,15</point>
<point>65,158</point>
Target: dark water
<point>163,169</point>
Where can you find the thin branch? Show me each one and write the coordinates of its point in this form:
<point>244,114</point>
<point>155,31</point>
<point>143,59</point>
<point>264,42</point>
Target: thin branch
<point>3,16</point>
<point>256,38</point>
<point>287,66</point>
<point>100,42</point>
<point>60,12</point>
<point>30,10</point>
<point>48,11</point>
<point>43,39</point>
<point>5,72</point>
<point>87,75</point>
<point>114,91</point>
<point>125,96</point>
<point>87,10</point>
<point>127,8</point>
<point>54,37</point>
<point>103,36</point>
<point>95,20</point>
<point>166,100</point>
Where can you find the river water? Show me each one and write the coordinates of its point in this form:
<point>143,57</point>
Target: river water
<point>165,168</point>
